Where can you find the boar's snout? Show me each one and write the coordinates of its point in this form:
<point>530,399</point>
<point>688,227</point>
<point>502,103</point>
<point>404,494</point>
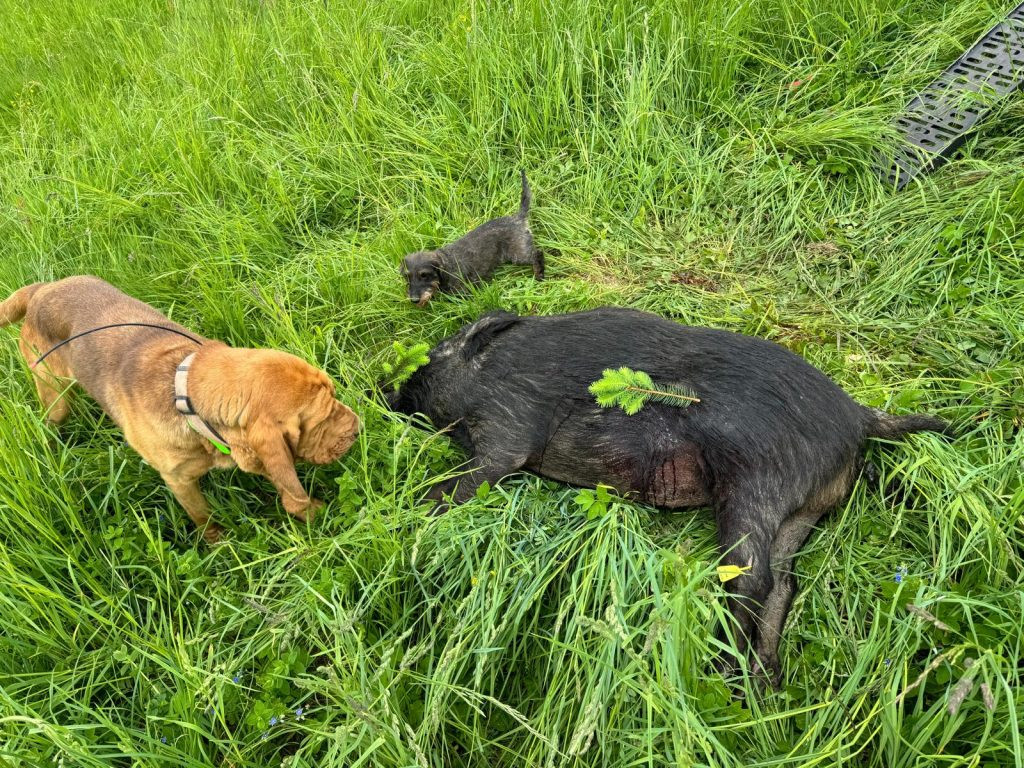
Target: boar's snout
<point>391,397</point>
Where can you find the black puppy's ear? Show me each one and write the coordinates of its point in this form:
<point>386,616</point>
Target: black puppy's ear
<point>483,331</point>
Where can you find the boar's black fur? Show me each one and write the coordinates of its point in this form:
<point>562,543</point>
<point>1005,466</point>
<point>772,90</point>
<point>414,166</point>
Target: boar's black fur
<point>771,446</point>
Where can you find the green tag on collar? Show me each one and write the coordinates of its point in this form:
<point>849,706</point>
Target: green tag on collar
<point>219,446</point>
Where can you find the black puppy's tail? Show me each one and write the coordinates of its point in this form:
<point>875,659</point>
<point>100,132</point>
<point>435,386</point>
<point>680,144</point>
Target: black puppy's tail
<point>888,426</point>
<point>525,199</point>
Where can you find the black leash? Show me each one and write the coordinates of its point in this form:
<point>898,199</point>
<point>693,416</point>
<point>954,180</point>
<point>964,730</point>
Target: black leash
<point>114,325</point>
<point>187,410</point>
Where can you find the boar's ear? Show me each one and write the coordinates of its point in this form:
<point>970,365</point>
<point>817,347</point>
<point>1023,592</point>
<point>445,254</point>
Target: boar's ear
<point>483,331</point>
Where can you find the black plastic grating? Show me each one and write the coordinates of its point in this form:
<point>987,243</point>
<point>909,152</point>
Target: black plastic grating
<point>939,119</point>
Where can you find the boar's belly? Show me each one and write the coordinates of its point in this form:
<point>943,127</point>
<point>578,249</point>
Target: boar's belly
<point>672,478</point>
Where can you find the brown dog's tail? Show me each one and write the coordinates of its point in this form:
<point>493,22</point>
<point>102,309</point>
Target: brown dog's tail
<point>525,198</point>
<point>885,425</point>
<point>12,310</point>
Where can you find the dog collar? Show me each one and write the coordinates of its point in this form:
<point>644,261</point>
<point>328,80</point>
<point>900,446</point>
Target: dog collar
<point>184,406</point>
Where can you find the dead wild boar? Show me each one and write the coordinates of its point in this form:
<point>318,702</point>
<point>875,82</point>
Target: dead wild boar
<point>772,444</point>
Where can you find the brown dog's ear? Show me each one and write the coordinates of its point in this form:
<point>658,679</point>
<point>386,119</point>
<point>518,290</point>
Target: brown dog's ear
<point>269,440</point>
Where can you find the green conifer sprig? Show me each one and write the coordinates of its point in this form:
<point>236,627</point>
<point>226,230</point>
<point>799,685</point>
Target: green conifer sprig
<point>631,390</point>
<point>406,361</point>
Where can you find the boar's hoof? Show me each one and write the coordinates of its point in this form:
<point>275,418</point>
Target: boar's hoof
<point>768,671</point>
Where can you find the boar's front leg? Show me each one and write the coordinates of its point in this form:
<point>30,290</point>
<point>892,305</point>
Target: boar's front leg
<point>489,468</point>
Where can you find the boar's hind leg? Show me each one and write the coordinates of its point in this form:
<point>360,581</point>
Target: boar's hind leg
<point>745,532</point>
<point>790,537</point>
<point>463,488</point>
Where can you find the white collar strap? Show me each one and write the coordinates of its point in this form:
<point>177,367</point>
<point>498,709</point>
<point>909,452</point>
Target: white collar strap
<point>184,406</point>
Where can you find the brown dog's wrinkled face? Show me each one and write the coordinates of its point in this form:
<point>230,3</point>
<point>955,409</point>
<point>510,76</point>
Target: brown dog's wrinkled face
<point>326,428</point>
<point>326,437</point>
<point>422,271</point>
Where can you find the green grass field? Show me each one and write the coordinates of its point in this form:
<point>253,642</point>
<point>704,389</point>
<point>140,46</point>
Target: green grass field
<point>257,169</point>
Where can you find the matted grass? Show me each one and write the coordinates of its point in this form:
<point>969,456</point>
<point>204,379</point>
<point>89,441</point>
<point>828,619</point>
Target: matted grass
<point>257,169</point>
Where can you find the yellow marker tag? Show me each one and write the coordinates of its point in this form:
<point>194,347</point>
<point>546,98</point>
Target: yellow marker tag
<point>730,572</point>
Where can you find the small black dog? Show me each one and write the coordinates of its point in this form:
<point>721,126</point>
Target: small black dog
<point>771,445</point>
<point>475,256</point>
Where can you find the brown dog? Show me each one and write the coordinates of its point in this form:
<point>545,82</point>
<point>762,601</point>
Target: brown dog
<point>269,408</point>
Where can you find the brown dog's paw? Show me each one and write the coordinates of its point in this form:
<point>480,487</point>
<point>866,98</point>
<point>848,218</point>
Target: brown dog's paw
<point>315,505</point>
<point>212,533</point>
<point>304,510</point>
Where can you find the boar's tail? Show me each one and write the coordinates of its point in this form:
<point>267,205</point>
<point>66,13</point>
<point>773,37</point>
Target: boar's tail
<point>15,307</point>
<point>885,425</point>
<point>525,199</point>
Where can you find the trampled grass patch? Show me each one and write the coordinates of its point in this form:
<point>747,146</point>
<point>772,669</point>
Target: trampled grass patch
<point>257,170</point>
